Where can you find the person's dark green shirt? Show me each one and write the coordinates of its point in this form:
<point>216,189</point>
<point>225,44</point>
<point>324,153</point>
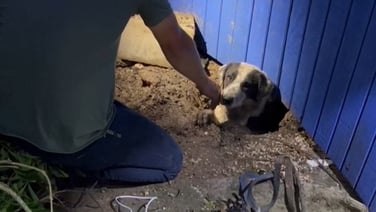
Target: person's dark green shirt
<point>57,63</point>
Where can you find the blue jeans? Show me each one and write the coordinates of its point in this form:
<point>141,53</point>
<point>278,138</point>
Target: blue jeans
<point>138,152</point>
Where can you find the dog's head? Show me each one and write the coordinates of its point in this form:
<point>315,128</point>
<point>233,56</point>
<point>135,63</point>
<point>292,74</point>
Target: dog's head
<point>243,84</point>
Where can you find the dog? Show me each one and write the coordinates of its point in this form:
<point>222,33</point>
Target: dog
<point>248,98</point>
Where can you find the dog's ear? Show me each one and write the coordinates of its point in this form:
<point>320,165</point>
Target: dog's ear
<point>228,73</point>
<point>257,86</point>
<point>262,80</point>
<point>265,86</point>
<point>221,74</point>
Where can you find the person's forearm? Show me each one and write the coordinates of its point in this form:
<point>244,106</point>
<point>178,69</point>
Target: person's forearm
<point>183,56</point>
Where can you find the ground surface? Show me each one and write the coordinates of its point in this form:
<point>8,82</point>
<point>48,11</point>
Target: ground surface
<point>171,101</point>
<point>213,158</point>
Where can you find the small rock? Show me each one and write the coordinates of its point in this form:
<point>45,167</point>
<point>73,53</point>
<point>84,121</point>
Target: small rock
<point>315,163</point>
<point>138,66</point>
<point>170,194</point>
<point>195,161</point>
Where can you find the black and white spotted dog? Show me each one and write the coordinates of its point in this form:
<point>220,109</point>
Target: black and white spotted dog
<point>248,98</point>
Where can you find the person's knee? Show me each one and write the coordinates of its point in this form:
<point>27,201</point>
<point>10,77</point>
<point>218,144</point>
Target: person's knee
<point>176,164</point>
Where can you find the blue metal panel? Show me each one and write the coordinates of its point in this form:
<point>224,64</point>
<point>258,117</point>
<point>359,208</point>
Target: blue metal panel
<point>259,32</point>
<point>227,27</point>
<point>364,188</point>
<point>372,208</point>
<point>241,30</point>
<point>199,11</point>
<point>355,99</point>
<point>294,45</point>
<point>276,40</point>
<point>332,40</point>
<point>361,144</point>
<point>175,5</point>
<point>347,59</point>
<point>181,5</point>
<point>311,47</point>
<point>212,26</point>
<point>235,27</point>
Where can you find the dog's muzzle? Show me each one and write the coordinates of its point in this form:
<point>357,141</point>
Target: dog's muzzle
<point>227,100</point>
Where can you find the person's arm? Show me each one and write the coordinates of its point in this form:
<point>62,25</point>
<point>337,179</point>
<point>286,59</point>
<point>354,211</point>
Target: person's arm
<point>182,54</point>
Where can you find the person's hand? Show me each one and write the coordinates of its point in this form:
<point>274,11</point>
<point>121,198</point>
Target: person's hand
<point>212,91</point>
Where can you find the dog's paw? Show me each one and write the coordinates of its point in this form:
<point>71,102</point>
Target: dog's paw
<point>204,117</point>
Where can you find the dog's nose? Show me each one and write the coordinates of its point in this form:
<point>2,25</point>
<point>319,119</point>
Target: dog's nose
<point>227,100</point>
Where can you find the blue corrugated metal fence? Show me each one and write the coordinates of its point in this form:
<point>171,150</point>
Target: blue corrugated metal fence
<point>322,53</point>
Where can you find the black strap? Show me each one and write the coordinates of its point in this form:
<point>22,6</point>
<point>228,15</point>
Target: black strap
<point>293,192</point>
<point>248,181</point>
<point>293,196</point>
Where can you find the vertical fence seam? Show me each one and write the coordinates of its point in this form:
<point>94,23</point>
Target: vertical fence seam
<point>233,28</point>
<point>353,133</point>
<point>300,53</point>
<point>267,34</point>
<point>249,32</point>
<point>356,184</point>
<point>316,58</point>
<point>205,15</point>
<point>284,45</point>
<point>219,29</point>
